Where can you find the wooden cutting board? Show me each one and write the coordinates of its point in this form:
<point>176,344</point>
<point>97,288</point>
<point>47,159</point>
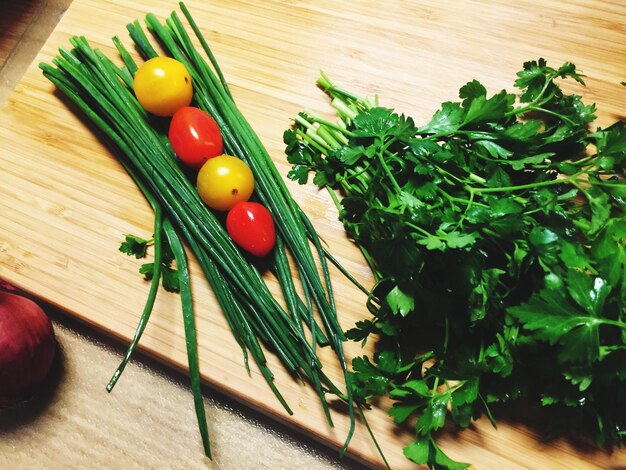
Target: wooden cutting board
<point>65,202</point>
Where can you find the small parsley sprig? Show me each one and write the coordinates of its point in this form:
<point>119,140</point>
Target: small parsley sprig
<point>496,233</point>
<point>138,247</point>
<point>135,246</point>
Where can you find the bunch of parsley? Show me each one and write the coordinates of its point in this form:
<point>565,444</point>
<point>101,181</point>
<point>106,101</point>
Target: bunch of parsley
<point>497,237</point>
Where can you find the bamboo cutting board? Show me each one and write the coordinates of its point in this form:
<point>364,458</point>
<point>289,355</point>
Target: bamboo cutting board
<point>65,202</point>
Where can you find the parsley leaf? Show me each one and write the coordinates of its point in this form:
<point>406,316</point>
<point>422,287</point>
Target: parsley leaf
<point>447,120</point>
<point>552,317</point>
<point>135,246</point>
<point>483,109</point>
<point>169,275</point>
<point>400,302</point>
<point>377,122</point>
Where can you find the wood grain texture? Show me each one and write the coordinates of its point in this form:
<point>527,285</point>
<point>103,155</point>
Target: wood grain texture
<point>65,202</point>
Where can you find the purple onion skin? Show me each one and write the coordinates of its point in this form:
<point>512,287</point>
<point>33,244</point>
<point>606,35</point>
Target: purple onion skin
<point>27,348</point>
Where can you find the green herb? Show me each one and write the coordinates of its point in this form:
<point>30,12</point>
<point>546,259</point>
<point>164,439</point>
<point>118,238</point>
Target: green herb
<point>496,233</point>
<point>135,246</point>
<point>169,275</point>
<point>138,247</point>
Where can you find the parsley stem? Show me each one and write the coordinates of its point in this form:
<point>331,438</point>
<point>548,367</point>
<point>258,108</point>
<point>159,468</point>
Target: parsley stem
<point>325,83</point>
<point>419,229</point>
<point>459,224</point>
<point>342,130</point>
<point>343,110</point>
<point>553,113</point>
<point>450,199</point>
<point>334,197</point>
<point>371,433</point>
<point>312,132</point>
<point>328,137</point>
<point>345,272</point>
<point>537,102</point>
<point>616,323</point>
<point>301,120</point>
<point>585,159</point>
<point>492,420</point>
<point>501,189</point>
<point>321,147</point>
<point>371,263</point>
<point>445,172</point>
<point>476,178</point>
<point>383,163</point>
<point>606,184</point>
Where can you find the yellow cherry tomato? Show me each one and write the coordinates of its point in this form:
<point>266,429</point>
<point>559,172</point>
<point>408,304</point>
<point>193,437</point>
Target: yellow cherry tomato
<point>162,86</point>
<point>224,181</point>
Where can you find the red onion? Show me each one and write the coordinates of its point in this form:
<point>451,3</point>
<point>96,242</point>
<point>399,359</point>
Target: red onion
<point>27,347</point>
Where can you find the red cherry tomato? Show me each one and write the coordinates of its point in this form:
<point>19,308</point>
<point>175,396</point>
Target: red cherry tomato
<point>251,227</point>
<point>195,136</point>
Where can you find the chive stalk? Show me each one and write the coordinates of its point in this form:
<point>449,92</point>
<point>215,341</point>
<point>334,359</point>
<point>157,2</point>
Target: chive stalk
<point>190,331</point>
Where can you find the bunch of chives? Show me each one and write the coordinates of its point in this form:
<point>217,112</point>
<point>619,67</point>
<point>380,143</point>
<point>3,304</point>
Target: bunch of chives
<point>213,95</point>
<point>103,91</point>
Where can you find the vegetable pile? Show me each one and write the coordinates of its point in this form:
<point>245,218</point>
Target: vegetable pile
<point>497,236</point>
<point>189,184</point>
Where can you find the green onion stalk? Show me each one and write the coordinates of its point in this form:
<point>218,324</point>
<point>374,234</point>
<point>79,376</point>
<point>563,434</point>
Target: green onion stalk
<point>103,91</point>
